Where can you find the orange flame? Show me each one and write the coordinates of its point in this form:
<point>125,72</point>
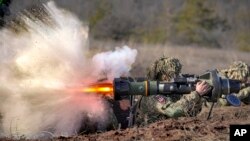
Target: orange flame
<point>99,88</point>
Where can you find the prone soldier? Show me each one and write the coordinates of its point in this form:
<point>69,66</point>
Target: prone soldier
<point>238,70</point>
<point>156,107</point>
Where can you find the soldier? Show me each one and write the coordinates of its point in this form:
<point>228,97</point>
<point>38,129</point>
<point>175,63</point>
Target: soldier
<point>239,71</point>
<point>152,108</point>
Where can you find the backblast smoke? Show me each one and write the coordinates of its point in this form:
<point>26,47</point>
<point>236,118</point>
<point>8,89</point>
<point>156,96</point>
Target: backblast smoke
<point>39,60</point>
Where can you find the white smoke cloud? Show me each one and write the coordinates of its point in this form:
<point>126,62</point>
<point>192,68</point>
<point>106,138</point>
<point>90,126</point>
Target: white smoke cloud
<point>37,68</point>
<point>113,64</point>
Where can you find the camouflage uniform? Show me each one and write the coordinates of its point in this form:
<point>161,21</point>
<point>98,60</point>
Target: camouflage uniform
<point>238,71</point>
<point>157,107</point>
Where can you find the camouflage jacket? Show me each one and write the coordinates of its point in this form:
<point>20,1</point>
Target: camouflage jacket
<point>158,107</point>
<point>243,95</point>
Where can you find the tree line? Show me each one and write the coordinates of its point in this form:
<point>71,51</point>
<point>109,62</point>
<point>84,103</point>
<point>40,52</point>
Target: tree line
<point>207,23</point>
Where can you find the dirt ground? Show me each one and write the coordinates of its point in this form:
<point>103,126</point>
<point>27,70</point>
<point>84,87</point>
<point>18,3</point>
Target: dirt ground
<point>184,128</point>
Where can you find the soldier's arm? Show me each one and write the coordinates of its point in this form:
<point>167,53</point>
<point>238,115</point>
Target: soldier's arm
<point>188,103</point>
<point>243,93</point>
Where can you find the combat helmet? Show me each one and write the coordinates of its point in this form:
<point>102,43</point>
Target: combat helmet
<point>164,69</point>
<point>239,70</point>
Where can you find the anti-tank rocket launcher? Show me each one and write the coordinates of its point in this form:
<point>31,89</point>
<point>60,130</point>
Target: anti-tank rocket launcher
<point>179,85</point>
<point>124,87</point>
<point>127,87</point>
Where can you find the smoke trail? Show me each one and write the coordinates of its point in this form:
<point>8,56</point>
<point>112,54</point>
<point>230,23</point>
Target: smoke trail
<point>39,59</point>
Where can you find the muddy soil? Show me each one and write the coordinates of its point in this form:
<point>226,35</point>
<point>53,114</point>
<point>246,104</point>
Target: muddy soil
<point>184,128</point>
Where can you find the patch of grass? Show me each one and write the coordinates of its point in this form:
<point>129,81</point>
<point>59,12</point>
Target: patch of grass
<point>195,60</point>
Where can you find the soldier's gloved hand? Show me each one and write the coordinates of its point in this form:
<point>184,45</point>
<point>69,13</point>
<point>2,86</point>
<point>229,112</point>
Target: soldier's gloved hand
<point>202,88</point>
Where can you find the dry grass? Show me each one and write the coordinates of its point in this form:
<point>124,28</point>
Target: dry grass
<point>195,60</point>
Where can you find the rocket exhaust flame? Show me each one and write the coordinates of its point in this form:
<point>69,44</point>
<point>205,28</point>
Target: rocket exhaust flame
<point>99,88</point>
<point>38,62</point>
